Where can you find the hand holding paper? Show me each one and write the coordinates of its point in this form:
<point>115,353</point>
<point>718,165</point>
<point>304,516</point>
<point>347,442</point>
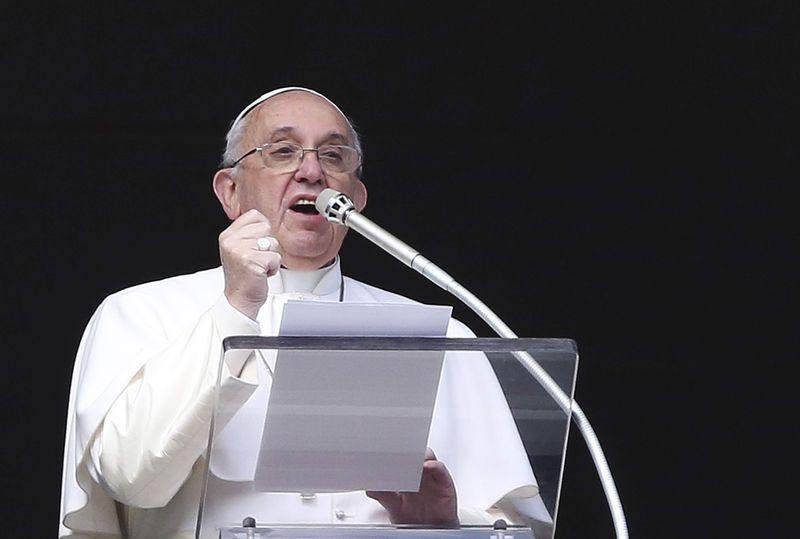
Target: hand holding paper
<point>435,504</point>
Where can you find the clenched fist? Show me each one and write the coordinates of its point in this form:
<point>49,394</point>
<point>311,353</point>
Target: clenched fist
<point>249,255</point>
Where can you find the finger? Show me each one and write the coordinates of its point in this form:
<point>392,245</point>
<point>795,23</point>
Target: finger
<point>247,230</point>
<point>246,254</point>
<point>262,262</point>
<point>253,230</point>
<point>389,500</point>
<point>249,238</point>
<point>248,217</point>
<point>429,454</point>
<point>436,473</point>
<point>273,263</point>
<point>267,243</point>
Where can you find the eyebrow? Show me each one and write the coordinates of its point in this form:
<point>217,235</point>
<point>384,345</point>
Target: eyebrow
<point>332,137</point>
<point>281,131</point>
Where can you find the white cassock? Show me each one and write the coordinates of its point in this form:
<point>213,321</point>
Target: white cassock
<point>142,397</point>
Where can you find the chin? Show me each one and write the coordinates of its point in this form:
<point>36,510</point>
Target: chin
<point>308,260</point>
<point>310,249</point>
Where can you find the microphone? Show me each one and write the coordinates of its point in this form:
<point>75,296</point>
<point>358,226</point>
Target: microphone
<point>338,208</point>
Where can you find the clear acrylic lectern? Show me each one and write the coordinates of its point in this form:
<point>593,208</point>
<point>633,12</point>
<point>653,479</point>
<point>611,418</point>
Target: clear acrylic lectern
<point>310,423</point>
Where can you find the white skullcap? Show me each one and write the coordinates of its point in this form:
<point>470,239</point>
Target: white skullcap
<point>273,93</point>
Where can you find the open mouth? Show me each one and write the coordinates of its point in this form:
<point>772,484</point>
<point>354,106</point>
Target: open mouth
<point>305,206</point>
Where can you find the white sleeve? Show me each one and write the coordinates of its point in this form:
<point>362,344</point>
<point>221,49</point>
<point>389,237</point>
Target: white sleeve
<point>149,439</point>
<point>530,512</point>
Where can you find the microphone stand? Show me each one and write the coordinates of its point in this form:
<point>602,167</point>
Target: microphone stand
<point>338,208</point>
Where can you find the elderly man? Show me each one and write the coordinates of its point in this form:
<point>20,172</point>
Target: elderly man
<point>145,373</point>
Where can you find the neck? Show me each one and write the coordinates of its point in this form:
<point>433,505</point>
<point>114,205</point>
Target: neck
<point>308,281</point>
<point>303,265</point>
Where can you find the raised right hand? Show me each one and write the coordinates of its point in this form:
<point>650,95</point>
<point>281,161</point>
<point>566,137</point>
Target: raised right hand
<point>246,267</point>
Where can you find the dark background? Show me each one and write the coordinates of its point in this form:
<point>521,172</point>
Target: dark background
<point>615,174</point>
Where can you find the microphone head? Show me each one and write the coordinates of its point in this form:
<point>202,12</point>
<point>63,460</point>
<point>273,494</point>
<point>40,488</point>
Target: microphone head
<point>334,205</point>
<point>324,198</point>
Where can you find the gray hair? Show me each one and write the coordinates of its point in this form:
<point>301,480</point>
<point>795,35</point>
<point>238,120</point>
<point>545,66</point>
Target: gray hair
<point>234,136</point>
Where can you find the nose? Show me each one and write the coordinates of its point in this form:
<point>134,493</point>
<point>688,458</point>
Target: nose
<point>310,168</point>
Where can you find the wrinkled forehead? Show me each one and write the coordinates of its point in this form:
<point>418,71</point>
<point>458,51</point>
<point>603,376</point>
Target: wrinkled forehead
<point>261,99</point>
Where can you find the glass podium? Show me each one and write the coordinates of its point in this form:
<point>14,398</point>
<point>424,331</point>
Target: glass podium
<point>303,426</point>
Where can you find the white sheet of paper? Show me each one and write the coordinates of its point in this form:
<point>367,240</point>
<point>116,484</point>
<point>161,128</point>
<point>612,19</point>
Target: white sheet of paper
<point>344,420</point>
<point>329,319</point>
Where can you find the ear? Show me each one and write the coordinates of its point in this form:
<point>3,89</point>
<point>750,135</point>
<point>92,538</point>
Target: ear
<point>360,195</point>
<point>225,189</point>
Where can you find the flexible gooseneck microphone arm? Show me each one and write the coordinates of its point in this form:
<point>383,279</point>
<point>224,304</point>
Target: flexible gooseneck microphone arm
<point>338,208</point>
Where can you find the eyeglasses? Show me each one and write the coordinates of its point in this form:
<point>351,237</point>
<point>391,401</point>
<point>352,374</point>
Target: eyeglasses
<point>287,156</point>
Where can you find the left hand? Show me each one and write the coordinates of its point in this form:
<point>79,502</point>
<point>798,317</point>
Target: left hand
<point>434,505</point>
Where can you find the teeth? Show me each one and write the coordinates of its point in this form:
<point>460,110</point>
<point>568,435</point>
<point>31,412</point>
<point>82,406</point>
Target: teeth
<point>304,202</point>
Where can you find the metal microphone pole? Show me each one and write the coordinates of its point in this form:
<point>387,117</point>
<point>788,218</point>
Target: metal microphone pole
<point>338,207</point>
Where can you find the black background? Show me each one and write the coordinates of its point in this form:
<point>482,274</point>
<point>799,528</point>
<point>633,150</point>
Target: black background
<point>616,174</point>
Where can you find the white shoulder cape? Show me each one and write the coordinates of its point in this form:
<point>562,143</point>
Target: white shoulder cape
<point>475,437</point>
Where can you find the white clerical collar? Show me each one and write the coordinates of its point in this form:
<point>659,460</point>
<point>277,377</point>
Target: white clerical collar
<point>319,282</point>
